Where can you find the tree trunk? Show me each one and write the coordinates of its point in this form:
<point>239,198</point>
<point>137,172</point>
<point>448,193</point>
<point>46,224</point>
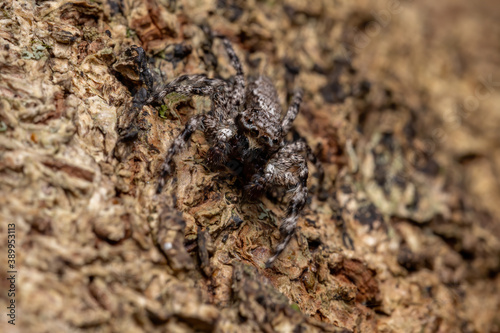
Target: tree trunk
<point>400,108</point>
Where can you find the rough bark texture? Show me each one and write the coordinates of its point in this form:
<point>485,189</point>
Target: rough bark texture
<point>401,107</point>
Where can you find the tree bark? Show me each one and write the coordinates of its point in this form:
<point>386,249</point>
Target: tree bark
<point>399,107</point>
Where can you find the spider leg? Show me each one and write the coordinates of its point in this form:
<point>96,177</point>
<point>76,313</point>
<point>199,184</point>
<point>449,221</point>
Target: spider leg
<point>292,112</point>
<point>302,146</point>
<point>286,168</point>
<point>145,73</point>
<point>189,85</point>
<point>177,146</point>
<point>217,125</point>
<point>289,224</point>
<point>238,91</point>
<point>198,84</point>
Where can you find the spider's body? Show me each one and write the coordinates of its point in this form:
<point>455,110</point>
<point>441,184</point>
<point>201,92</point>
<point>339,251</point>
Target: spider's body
<point>246,130</point>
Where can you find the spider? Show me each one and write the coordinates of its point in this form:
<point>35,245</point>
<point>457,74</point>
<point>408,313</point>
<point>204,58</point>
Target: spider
<point>246,128</point>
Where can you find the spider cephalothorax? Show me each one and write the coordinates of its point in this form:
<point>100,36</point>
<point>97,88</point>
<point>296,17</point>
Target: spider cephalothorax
<point>245,127</point>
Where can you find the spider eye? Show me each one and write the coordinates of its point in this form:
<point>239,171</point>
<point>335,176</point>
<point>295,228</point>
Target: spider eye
<point>254,132</point>
<point>275,142</point>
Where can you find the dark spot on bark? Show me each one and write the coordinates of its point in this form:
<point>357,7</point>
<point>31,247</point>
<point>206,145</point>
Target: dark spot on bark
<point>368,215</point>
<point>311,222</point>
<point>429,167</point>
<point>313,244</point>
<point>467,158</point>
<point>177,52</point>
<point>116,6</point>
<point>232,9</point>
<point>409,260</point>
<point>388,141</point>
<point>333,92</point>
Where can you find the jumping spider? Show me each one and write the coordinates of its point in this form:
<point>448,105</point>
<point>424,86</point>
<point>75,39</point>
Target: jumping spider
<point>244,126</point>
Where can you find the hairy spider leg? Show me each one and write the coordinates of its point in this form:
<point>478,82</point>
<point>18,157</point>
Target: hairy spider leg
<point>238,89</point>
<point>302,146</point>
<point>286,168</point>
<point>189,85</point>
<point>292,111</point>
<point>225,102</point>
<point>145,73</point>
<point>289,223</point>
<point>218,124</point>
<point>193,84</point>
<point>177,146</point>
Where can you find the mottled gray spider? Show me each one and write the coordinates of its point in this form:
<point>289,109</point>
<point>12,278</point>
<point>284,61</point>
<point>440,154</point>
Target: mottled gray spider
<point>245,126</point>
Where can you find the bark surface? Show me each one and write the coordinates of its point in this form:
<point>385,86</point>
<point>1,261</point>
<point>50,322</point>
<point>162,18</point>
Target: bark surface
<point>400,106</point>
